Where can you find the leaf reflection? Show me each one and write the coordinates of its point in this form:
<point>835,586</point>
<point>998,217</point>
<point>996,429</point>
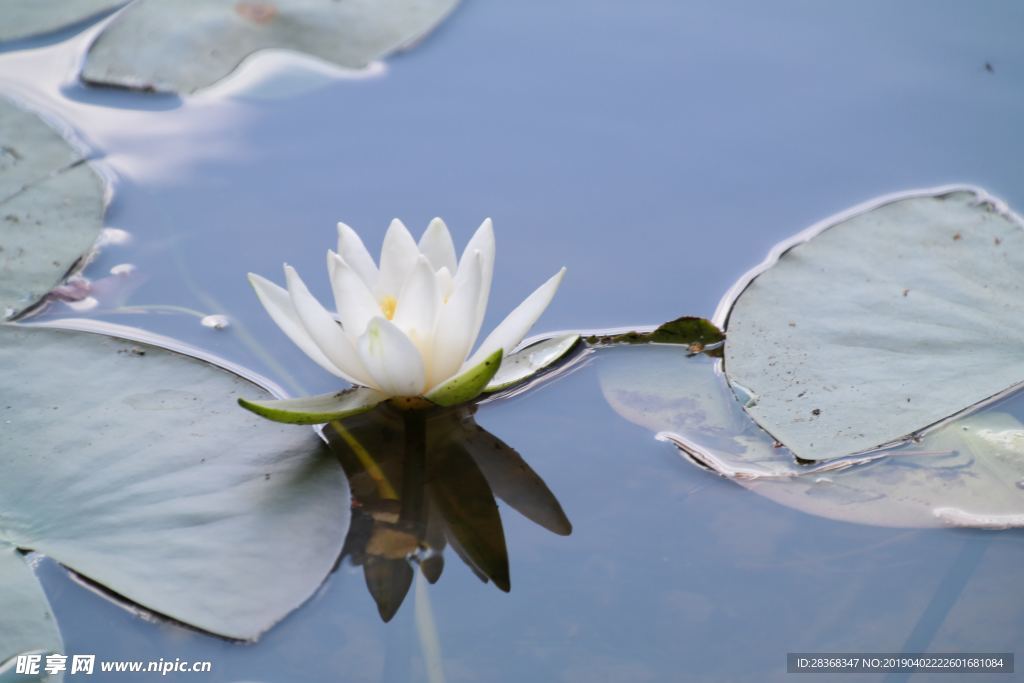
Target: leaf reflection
<point>423,480</point>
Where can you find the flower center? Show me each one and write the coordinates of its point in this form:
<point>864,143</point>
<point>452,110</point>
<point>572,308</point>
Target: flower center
<point>388,306</point>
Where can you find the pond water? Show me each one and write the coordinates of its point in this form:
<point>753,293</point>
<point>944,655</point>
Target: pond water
<point>657,150</point>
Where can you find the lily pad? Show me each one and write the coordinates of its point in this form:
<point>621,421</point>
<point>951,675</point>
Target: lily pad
<point>880,323</point>
<point>966,473</point>
<point>26,623</point>
<point>39,17</point>
<point>185,45</point>
<point>51,208</point>
<point>133,466</point>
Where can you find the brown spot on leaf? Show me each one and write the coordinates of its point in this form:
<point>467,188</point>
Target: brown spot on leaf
<point>256,12</point>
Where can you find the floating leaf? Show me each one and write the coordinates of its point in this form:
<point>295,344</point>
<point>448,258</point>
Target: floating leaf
<point>527,362</point>
<point>39,17</point>
<point>878,324</point>
<point>184,45</point>
<point>967,473</point>
<point>26,622</point>
<point>133,466</point>
<point>51,208</point>
<point>311,410</point>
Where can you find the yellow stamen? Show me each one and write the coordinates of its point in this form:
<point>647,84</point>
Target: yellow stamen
<point>388,306</point>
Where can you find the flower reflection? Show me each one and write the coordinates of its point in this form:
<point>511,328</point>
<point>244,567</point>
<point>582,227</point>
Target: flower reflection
<point>426,480</point>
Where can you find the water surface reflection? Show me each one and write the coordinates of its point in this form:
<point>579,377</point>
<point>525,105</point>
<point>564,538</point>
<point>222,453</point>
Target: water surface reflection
<point>426,480</point>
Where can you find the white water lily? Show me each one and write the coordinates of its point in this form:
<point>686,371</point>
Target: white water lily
<point>407,327</point>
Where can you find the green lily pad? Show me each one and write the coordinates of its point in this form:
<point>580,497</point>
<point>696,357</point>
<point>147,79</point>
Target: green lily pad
<point>26,623</point>
<point>133,466</point>
<point>39,17</point>
<point>51,208</point>
<point>881,323</point>
<point>527,362</point>
<point>312,410</point>
<point>966,473</point>
<point>184,45</point>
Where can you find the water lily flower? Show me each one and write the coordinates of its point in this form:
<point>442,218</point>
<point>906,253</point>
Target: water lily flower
<point>405,328</point>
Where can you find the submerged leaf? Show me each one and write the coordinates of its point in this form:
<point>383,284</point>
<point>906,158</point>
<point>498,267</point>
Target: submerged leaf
<point>881,323</point>
<point>185,45</point>
<point>131,465</point>
<point>51,208</point>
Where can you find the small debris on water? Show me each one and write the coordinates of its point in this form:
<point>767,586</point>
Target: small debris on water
<point>113,236</point>
<point>215,322</point>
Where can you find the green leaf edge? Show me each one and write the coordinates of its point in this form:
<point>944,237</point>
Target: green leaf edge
<point>312,410</point>
<point>469,384</point>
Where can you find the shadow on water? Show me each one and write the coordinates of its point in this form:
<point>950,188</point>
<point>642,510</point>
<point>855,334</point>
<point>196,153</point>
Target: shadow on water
<point>426,480</point>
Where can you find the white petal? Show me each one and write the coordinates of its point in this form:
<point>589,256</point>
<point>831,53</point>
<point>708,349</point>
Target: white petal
<point>354,301</point>
<point>392,359</point>
<point>436,244</point>
<point>279,305</point>
<point>482,241</point>
<point>445,283</point>
<point>354,253</point>
<point>514,327</point>
<point>397,258</point>
<point>417,305</point>
<point>454,334</point>
<point>325,331</point>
